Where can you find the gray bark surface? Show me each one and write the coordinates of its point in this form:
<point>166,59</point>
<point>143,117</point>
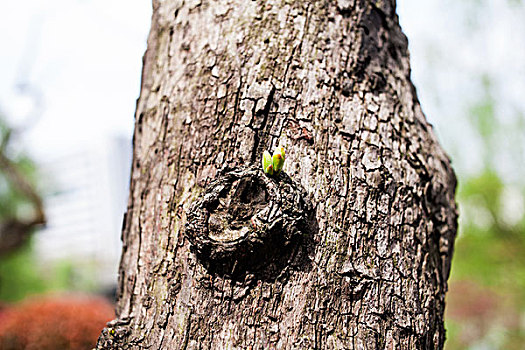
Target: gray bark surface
<point>225,80</point>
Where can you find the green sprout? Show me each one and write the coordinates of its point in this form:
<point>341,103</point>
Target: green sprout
<point>267,163</point>
<point>272,165</point>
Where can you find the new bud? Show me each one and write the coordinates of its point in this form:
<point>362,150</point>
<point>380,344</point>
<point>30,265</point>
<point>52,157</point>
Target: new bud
<point>278,160</point>
<point>267,163</point>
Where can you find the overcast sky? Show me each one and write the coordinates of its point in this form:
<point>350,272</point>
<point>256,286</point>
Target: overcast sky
<point>83,60</point>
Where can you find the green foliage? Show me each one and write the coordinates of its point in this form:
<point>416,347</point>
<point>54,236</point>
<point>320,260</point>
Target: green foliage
<point>490,248</point>
<point>21,276</point>
<point>14,202</point>
<point>490,244</point>
<point>18,275</point>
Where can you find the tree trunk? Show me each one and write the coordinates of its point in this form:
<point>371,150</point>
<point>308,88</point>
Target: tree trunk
<point>358,254</point>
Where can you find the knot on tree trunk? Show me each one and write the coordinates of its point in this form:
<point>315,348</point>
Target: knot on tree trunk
<point>245,220</point>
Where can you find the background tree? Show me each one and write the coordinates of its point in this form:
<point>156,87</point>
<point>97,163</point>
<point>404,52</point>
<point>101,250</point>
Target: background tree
<point>21,213</point>
<point>21,208</point>
<point>223,81</point>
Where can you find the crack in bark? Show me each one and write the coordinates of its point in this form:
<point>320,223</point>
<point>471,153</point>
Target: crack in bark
<point>264,113</point>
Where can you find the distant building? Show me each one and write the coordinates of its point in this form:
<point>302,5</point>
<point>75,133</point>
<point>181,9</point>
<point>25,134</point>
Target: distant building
<point>84,209</point>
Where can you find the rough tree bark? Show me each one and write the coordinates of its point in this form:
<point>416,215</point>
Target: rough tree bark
<point>367,265</point>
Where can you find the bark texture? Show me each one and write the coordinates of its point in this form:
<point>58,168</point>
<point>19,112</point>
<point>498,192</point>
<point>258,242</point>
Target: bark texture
<point>224,80</point>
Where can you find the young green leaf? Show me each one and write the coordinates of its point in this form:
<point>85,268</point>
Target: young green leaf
<point>267,163</point>
<point>278,160</point>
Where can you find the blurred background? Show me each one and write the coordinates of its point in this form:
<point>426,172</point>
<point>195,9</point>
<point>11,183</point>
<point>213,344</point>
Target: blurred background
<point>69,79</point>
<point>468,65</point>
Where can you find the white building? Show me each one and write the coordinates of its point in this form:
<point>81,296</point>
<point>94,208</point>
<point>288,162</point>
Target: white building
<point>84,210</point>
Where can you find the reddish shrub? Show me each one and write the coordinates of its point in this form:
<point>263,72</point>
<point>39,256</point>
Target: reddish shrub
<point>54,323</point>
